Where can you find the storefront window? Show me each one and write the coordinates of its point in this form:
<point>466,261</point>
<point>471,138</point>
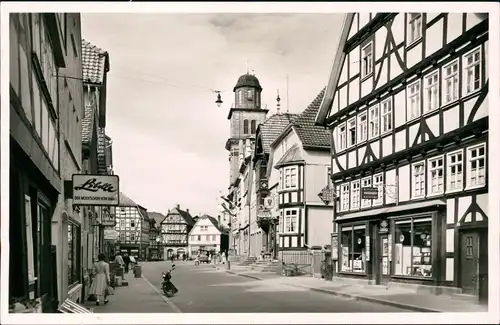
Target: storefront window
<point>353,257</point>
<point>73,254</point>
<point>412,247</point>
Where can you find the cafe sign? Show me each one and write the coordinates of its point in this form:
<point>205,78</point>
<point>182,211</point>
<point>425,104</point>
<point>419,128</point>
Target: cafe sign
<point>95,190</point>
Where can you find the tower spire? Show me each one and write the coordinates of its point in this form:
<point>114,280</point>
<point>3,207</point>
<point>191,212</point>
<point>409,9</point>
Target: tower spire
<point>247,67</point>
<point>278,103</point>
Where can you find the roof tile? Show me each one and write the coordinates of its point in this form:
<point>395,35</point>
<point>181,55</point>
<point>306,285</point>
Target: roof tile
<point>310,134</point>
<point>93,63</point>
<point>272,128</point>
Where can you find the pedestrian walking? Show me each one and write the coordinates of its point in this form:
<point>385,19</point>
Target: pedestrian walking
<point>126,261</point>
<point>100,280</point>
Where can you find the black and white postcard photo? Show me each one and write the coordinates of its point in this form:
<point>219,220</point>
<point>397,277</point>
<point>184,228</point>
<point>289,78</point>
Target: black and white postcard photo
<point>250,162</point>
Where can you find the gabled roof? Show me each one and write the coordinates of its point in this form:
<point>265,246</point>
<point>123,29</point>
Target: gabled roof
<point>184,214</point>
<point>214,222</point>
<point>95,62</point>
<point>87,124</point>
<point>125,201</point>
<point>143,211</point>
<point>311,135</point>
<point>272,128</point>
<point>291,156</point>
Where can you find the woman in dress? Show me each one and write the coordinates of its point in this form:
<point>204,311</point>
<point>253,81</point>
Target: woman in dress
<point>101,279</point>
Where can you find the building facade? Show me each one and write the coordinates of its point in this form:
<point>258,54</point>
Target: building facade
<point>208,234</point>
<point>299,161</point>
<point>155,251</point>
<point>175,230</point>
<point>267,133</point>
<point>407,105</point>
<point>39,45</point>
<point>132,224</point>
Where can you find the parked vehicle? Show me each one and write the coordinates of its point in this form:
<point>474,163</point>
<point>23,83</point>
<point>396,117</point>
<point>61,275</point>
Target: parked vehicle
<point>167,286</point>
<point>203,257</point>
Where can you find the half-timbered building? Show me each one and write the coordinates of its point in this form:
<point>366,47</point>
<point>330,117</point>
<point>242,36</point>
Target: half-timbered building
<point>407,106</point>
<point>155,249</point>
<point>175,230</point>
<point>266,133</point>
<point>300,157</point>
<point>132,224</point>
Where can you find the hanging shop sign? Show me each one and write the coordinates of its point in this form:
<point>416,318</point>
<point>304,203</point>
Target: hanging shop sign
<point>111,234</point>
<point>107,218</point>
<point>367,247</point>
<point>97,190</point>
<point>369,193</point>
<point>327,195</point>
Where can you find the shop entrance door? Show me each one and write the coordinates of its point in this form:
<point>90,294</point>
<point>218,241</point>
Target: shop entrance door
<point>469,258</point>
<point>384,273</point>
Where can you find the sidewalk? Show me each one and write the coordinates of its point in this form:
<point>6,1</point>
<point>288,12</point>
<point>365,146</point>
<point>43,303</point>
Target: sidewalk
<point>397,297</point>
<point>137,297</point>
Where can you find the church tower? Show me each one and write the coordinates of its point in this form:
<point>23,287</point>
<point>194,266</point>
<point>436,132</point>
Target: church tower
<point>245,115</point>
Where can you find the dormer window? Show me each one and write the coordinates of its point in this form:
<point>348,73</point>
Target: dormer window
<point>250,94</point>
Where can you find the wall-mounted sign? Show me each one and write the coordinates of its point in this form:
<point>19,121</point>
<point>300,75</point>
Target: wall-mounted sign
<point>111,234</point>
<point>367,248</point>
<point>327,195</point>
<point>95,189</point>
<point>269,202</point>
<point>369,193</point>
<point>389,239</point>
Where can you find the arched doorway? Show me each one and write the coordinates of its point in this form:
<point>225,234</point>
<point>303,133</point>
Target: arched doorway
<point>180,253</point>
<point>170,252</point>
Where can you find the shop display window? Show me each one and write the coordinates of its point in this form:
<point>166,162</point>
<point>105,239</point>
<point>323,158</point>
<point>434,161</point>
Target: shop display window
<point>353,255</point>
<point>412,247</point>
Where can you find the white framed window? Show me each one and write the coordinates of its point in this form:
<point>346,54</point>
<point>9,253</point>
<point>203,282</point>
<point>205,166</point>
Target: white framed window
<point>476,166</point>
<point>472,71</point>
<point>132,237</point>
<point>418,177</point>
<point>341,137</point>
<point>373,120</point>
<point>435,169</point>
<point>386,115</point>
<point>250,94</point>
<point>290,178</point>
<point>337,199</point>
<point>366,182</point>
<point>351,132</point>
<point>431,93</point>
<point>291,220</point>
<point>362,127</point>
<point>378,182</point>
<point>413,92</point>
<point>414,27</point>
<point>344,197</point>
<point>450,82</point>
<point>455,174</point>
<point>367,60</point>
<point>355,194</point>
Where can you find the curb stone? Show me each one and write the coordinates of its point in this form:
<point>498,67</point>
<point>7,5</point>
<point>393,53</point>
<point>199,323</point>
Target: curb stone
<point>351,296</point>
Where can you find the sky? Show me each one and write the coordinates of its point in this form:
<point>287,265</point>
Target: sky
<point>168,134</point>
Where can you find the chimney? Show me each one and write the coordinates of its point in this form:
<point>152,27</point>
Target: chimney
<point>187,210</point>
<point>178,206</point>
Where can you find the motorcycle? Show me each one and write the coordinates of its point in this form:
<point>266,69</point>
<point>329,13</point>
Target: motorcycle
<point>167,286</point>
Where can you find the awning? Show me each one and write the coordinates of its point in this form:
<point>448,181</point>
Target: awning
<point>392,209</point>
